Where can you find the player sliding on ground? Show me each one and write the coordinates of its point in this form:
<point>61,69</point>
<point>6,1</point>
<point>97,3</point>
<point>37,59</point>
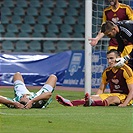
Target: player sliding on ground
<point>26,99</point>
<point>120,81</point>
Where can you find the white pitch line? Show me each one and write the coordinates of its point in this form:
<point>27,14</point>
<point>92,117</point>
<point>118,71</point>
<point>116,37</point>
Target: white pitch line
<point>36,114</point>
<point>1,113</point>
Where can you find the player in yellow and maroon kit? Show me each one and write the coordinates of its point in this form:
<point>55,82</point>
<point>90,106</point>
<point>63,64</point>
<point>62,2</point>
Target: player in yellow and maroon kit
<point>120,81</point>
<point>115,12</point>
<point>121,12</point>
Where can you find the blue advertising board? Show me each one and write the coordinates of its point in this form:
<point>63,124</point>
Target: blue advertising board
<point>35,69</point>
<point>67,66</point>
<point>74,75</point>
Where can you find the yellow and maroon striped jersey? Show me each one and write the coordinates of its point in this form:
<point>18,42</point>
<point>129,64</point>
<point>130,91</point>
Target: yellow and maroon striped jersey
<point>123,12</point>
<point>118,79</point>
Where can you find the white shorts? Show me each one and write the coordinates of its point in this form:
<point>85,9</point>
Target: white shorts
<point>20,89</point>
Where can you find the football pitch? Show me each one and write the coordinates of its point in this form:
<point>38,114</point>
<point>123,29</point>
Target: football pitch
<point>60,119</point>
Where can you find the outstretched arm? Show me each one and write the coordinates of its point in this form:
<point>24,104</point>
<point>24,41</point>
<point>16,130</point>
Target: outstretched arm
<point>43,96</point>
<point>94,41</point>
<point>4,100</point>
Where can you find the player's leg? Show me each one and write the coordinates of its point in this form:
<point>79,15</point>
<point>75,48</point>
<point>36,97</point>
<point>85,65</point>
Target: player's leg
<point>113,100</point>
<point>51,80</point>
<point>86,101</point>
<point>49,85</point>
<point>104,100</point>
<point>63,101</point>
<point>96,100</point>
<point>93,100</point>
<point>19,86</point>
<point>67,102</point>
<point>45,92</point>
<point>18,76</point>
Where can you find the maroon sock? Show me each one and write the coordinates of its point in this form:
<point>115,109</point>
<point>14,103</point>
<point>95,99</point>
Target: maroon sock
<point>78,102</point>
<point>105,102</point>
<point>100,103</point>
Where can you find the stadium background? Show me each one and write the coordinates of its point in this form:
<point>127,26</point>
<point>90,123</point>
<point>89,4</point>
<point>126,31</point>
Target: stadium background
<point>55,28</point>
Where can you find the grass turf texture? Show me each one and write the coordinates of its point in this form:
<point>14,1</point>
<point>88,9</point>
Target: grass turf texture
<point>59,119</point>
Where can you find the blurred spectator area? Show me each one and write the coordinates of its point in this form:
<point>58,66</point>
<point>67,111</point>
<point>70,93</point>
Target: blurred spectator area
<point>41,18</point>
<point>45,18</point>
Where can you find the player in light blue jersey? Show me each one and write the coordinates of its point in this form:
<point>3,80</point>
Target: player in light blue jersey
<point>29,99</point>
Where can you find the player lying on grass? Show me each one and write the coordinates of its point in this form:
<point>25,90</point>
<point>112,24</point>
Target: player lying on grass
<point>29,99</point>
<point>120,81</point>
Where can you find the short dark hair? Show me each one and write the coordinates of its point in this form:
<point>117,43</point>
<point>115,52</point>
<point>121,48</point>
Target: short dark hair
<point>114,51</point>
<point>23,102</point>
<point>107,26</point>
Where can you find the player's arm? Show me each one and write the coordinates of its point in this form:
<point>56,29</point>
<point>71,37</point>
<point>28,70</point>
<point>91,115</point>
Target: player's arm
<point>103,84</point>
<point>129,13</point>
<point>94,41</point>
<point>43,96</point>
<point>129,96</point>
<point>100,35</point>
<point>101,88</point>
<point>122,60</point>
<point>128,75</point>
<point>4,100</point>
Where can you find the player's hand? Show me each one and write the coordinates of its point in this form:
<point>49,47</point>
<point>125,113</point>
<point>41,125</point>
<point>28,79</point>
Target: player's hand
<point>122,105</point>
<point>29,104</point>
<point>120,62</point>
<point>93,41</point>
<point>18,105</point>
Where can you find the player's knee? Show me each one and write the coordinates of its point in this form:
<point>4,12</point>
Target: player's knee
<point>52,80</point>
<point>17,74</point>
<point>53,77</point>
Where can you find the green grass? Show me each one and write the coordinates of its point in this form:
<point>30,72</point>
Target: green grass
<point>60,119</point>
